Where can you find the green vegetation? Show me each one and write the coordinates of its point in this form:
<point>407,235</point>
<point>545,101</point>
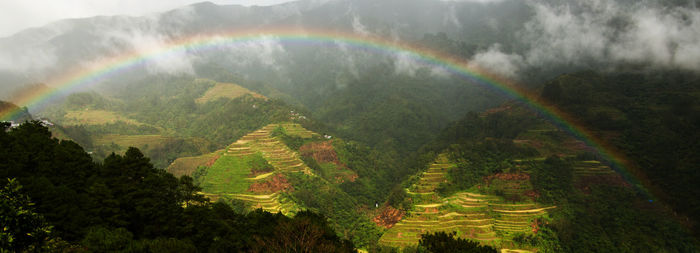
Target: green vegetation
<point>486,219</point>
<point>227,175</point>
<point>652,118</point>
<point>224,90</point>
<point>22,228</point>
<point>95,117</point>
<point>289,187</point>
<point>444,242</point>
<point>525,168</point>
<point>192,116</point>
<point>188,165</point>
<point>124,204</point>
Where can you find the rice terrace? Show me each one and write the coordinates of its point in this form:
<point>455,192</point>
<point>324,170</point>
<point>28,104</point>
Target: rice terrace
<point>392,126</point>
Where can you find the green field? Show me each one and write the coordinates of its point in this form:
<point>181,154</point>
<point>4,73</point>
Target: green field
<point>187,165</point>
<point>227,175</point>
<point>95,117</point>
<point>139,141</point>
<point>484,218</point>
<point>225,90</point>
<point>230,176</point>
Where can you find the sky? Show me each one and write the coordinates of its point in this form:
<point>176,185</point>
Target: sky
<point>17,15</point>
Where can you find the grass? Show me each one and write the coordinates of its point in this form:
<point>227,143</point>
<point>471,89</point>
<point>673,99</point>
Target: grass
<point>484,218</point>
<point>230,176</point>
<point>139,141</point>
<point>295,129</point>
<point>225,90</point>
<point>96,117</point>
<point>187,165</point>
<point>227,175</point>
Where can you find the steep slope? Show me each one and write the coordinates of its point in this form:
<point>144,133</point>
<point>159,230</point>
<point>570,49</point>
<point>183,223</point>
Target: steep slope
<point>18,115</point>
<point>518,183</point>
<point>230,176</point>
<point>225,90</point>
<point>489,219</point>
<point>261,170</point>
<point>652,117</point>
<point>167,118</point>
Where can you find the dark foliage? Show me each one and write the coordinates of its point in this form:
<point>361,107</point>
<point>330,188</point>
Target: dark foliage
<point>444,242</point>
<point>127,205</point>
<point>654,118</point>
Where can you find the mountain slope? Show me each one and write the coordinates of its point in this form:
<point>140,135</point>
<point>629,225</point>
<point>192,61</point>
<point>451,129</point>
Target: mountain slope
<point>652,117</point>
<point>515,162</point>
<point>259,170</point>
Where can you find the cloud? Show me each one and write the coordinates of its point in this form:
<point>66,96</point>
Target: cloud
<point>266,51</point>
<point>498,62</point>
<point>405,63</point>
<point>670,38</point>
<point>146,37</point>
<point>358,27</point>
<point>597,33</point>
<point>30,61</point>
<point>17,15</point>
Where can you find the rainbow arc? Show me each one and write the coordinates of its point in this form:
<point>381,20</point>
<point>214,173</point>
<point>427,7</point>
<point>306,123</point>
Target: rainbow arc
<point>105,68</point>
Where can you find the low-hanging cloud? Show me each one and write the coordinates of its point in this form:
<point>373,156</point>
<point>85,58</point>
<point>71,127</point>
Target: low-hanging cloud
<point>501,63</point>
<point>597,33</point>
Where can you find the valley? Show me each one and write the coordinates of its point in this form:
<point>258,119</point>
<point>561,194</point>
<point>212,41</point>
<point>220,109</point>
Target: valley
<point>393,126</point>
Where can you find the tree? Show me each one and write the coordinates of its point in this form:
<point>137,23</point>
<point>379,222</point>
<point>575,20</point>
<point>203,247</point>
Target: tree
<point>443,242</point>
<point>22,227</point>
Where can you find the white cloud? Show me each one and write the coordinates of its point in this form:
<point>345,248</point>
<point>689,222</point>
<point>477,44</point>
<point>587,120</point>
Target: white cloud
<point>600,33</point>
<point>358,27</point>
<point>17,15</point>
<point>498,62</point>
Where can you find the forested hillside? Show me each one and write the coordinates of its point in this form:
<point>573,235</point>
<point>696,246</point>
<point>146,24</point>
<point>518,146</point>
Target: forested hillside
<point>505,161</point>
<point>55,198</point>
<point>652,117</point>
<point>352,125</point>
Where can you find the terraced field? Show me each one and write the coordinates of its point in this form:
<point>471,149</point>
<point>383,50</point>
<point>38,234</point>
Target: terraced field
<point>591,168</point>
<point>224,90</point>
<point>484,218</point>
<point>297,130</point>
<point>96,117</point>
<point>187,165</point>
<point>230,177</point>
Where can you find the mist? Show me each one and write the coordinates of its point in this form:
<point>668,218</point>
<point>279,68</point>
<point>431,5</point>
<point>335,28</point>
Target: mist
<point>591,34</point>
<point>601,35</point>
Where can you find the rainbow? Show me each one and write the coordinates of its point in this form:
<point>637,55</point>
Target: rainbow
<point>114,65</point>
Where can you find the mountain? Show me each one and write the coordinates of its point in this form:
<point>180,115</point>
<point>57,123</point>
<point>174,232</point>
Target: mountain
<point>184,117</point>
<point>651,117</point>
<point>512,180</point>
<point>18,115</point>
<point>520,126</point>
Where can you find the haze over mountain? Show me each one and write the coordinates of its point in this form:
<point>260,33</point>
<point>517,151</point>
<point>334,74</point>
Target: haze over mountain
<point>392,125</point>
<point>517,39</point>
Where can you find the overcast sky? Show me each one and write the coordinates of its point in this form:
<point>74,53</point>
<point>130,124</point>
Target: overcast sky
<point>17,15</point>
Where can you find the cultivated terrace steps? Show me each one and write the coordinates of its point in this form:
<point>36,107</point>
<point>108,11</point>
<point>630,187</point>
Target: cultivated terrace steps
<point>277,154</point>
<point>484,218</point>
<point>591,168</point>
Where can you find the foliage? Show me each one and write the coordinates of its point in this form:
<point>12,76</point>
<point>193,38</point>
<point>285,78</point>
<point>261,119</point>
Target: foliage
<point>292,142</point>
<point>167,107</point>
<point>126,205</point>
<point>341,209</point>
<point>480,146</point>
<point>444,242</point>
<point>22,228</point>
<point>615,219</point>
<point>307,232</point>
<point>653,117</point>
<point>258,164</point>
<point>552,180</point>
